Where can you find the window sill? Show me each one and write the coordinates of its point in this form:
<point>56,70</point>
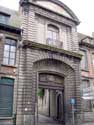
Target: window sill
<point>86,70</point>
<point>9,66</point>
<point>6,118</point>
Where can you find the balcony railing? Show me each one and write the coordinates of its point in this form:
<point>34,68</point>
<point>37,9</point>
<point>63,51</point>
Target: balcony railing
<point>54,43</point>
<point>88,89</point>
<point>88,93</point>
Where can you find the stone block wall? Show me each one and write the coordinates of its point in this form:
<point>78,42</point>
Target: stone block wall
<point>32,61</point>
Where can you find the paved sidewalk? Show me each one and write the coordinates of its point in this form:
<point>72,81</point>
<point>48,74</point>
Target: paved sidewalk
<point>89,123</point>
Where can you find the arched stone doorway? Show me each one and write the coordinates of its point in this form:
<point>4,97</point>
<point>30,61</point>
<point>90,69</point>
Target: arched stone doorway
<point>41,60</point>
<point>29,83</point>
<point>56,79</point>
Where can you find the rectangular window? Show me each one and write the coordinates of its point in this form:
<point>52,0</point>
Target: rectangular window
<point>4,18</point>
<point>9,52</point>
<point>86,91</point>
<point>85,84</point>
<point>93,59</point>
<point>6,97</point>
<point>84,61</point>
<point>53,35</point>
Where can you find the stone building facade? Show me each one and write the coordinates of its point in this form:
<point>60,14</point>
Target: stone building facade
<point>49,49</point>
<point>47,70</point>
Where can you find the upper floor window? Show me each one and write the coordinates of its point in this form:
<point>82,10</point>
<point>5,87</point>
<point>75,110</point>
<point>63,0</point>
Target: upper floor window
<point>85,90</point>
<point>85,84</point>
<point>4,18</point>
<point>84,61</point>
<point>53,35</point>
<point>9,51</point>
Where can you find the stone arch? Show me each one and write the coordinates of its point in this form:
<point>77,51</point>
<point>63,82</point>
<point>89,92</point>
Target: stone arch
<point>62,69</point>
<point>50,56</point>
<point>49,61</point>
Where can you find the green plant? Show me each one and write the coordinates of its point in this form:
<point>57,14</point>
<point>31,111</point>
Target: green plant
<point>41,92</point>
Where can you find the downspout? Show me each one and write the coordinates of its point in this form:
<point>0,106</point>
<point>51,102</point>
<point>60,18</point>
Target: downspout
<point>2,39</point>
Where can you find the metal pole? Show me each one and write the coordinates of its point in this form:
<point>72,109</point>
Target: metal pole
<point>49,103</point>
<point>37,96</point>
<point>73,121</point>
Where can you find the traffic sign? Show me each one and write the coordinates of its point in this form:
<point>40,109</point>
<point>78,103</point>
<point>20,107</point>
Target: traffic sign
<point>72,101</point>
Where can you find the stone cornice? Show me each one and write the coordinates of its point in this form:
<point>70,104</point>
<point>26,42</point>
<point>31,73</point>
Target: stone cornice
<point>9,28</point>
<point>30,44</point>
<point>86,44</point>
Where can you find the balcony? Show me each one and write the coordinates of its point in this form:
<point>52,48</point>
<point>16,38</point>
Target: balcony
<point>54,43</point>
<point>88,93</point>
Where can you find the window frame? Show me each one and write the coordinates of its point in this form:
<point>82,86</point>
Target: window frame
<point>89,103</point>
<point>6,18</point>
<point>86,59</point>
<point>9,51</point>
<point>54,30</point>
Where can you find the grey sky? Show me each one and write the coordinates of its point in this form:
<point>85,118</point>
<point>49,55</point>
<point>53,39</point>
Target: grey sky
<point>83,9</point>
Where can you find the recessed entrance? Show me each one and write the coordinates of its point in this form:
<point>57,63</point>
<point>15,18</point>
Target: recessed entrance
<point>50,99</point>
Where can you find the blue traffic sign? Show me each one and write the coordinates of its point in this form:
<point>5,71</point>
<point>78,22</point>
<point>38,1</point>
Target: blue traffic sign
<point>72,101</point>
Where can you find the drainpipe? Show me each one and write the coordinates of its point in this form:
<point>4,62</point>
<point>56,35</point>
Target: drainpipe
<point>49,104</point>
<point>14,119</point>
<point>2,39</point>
